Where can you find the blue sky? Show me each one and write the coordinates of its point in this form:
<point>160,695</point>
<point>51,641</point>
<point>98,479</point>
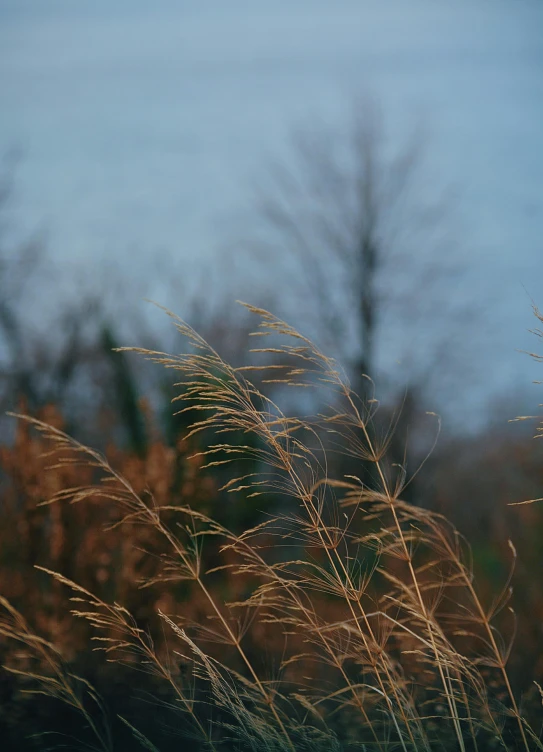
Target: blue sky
<point>143,123</point>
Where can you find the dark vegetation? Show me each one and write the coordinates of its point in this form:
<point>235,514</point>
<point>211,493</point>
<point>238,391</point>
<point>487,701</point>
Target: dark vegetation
<point>233,571</point>
<point>245,596</point>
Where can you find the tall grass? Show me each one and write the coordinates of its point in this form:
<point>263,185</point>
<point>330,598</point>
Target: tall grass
<point>364,605</point>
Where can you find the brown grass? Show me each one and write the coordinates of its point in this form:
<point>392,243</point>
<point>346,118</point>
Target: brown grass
<point>368,601</point>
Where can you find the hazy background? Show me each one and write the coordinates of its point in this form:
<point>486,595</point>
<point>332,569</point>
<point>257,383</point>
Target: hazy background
<point>144,128</point>
<point>199,152</point>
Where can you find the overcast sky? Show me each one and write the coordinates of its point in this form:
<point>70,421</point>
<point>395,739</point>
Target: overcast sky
<point>142,123</point>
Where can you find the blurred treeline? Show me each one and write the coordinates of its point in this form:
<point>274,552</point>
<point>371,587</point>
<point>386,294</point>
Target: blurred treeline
<point>64,368</point>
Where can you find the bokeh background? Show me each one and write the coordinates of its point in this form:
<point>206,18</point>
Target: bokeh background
<point>144,133</point>
<point>284,154</point>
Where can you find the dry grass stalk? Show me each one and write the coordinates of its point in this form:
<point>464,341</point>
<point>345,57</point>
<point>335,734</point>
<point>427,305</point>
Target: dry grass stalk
<point>385,643</point>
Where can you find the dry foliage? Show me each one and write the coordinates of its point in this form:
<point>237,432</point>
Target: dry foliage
<point>346,619</point>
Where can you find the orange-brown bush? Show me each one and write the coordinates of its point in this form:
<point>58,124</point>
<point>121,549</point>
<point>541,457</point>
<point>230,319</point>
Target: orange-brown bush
<point>346,619</point>
<point>82,540</point>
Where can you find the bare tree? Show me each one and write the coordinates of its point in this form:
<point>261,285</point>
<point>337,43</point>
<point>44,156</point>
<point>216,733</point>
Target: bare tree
<point>344,223</point>
<point>46,344</point>
<point>18,259</point>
